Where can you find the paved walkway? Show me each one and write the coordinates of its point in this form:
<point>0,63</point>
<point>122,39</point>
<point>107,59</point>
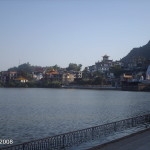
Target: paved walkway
<point>136,141</point>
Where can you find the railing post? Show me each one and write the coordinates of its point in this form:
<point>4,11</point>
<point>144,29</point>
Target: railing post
<point>147,118</point>
<point>63,140</point>
<point>115,127</point>
<point>132,122</point>
<point>92,133</point>
<point>23,147</point>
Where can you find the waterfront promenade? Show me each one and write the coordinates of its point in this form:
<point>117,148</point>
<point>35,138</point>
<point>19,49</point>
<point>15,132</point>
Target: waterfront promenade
<point>79,137</point>
<point>135,141</point>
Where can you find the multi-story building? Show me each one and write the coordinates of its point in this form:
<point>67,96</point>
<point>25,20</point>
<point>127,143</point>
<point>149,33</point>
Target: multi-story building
<point>101,66</point>
<point>67,78</point>
<point>70,76</point>
<point>52,75</point>
<point>92,68</point>
<point>6,76</point>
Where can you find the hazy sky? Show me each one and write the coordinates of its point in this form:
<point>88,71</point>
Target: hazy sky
<point>49,32</point>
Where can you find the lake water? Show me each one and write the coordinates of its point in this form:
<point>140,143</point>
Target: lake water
<point>28,113</point>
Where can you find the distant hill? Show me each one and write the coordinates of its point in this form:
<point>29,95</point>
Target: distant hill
<point>143,52</point>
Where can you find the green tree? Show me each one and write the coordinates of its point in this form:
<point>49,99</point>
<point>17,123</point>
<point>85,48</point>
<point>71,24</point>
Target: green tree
<point>26,67</point>
<point>74,67</point>
<point>56,67</point>
<point>117,70</point>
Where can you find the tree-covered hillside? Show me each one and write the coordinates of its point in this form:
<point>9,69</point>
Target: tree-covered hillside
<point>140,52</point>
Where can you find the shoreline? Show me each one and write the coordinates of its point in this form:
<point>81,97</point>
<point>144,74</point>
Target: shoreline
<point>92,87</point>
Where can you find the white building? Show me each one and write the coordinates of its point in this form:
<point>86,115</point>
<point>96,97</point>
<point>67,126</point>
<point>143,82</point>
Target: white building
<point>148,73</point>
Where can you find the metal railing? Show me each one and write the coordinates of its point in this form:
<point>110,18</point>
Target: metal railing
<point>66,140</point>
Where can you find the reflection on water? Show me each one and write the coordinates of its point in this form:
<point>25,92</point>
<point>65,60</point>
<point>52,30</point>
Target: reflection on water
<point>27,114</point>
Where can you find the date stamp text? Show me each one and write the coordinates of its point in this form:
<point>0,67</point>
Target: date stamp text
<point>6,141</point>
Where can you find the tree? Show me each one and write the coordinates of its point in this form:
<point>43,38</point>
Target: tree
<point>117,70</point>
<point>74,67</point>
<point>56,67</point>
<point>98,80</point>
<point>26,67</point>
<point>25,70</point>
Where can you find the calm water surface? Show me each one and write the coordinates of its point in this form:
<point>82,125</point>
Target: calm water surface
<point>27,114</point>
